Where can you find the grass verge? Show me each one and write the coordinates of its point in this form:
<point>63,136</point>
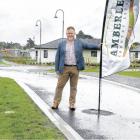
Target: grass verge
<point>123,73</point>
<point>91,69</point>
<point>130,73</point>
<point>20,118</point>
<point>3,63</point>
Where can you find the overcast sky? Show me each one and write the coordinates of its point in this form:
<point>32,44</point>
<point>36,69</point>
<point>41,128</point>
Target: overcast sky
<point>18,19</point>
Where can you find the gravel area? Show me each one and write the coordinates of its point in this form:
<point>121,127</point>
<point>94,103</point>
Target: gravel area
<point>130,81</point>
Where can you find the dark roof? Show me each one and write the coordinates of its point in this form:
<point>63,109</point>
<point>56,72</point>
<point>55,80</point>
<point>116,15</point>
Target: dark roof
<point>50,45</point>
<point>92,41</point>
<point>135,49</point>
<point>54,44</point>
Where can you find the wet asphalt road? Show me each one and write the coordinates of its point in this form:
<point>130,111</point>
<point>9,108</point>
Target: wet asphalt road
<point>110,124</point>
<point>120,115</point>
<point>130,81</point>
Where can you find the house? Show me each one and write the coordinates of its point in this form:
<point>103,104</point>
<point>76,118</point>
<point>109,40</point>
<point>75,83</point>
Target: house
<point>135,53</point>
<point>46,53</point>
<point>16,52</point>
<point>92,56</point>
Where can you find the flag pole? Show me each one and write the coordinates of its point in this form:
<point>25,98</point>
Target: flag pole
<point>100,72</point>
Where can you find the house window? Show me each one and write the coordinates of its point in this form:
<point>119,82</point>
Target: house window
<point>36,53</point>
<point>94,53</point>
<point>45,53</point>
<point>136,54</point>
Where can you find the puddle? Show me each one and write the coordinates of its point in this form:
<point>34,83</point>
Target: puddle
<point>95,112</point>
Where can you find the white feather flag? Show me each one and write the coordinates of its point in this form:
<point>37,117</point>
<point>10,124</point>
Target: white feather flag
<point>121,17</point>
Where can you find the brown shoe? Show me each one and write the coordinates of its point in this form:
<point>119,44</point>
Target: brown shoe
<point>55,105</point>
<point>72,107</point>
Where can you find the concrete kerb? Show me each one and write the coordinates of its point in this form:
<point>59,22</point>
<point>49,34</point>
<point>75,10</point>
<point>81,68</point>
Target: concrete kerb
<point>66,129</point>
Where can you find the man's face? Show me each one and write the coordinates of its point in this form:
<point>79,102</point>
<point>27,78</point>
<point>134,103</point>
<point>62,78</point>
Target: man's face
<point>70,34</point>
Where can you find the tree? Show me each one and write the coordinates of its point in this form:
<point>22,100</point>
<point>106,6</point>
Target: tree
<point>2,45</point>
<point>30,43</point>
<point>83,36</point>
<point>135,44</point>
<point>11,45</point>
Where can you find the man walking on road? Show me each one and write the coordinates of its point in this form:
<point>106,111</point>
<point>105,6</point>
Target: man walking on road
<point>68,61</point>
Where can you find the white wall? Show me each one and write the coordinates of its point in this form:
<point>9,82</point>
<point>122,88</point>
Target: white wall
<point>51,56</point>
<point>49,59</point>
<point>89,59</point>
<point>52,53</point>
<point>33,54</point>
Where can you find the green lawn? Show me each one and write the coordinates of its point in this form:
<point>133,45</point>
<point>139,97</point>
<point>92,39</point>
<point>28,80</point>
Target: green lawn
<point>130,73</point>
<point>1,62</point>
<point>20,118</point>
<point>91,69</point>
<point>51,70</point>
<point>123,73</point>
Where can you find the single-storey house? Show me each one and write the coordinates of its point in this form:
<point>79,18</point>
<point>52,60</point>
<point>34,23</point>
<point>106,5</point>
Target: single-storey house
<point>135,53</point>
<point>46,53</point>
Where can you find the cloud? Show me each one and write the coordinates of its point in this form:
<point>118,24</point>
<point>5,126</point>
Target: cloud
<point>18,18</point>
